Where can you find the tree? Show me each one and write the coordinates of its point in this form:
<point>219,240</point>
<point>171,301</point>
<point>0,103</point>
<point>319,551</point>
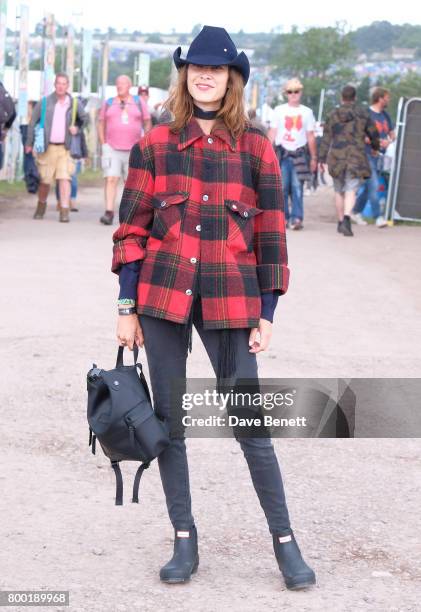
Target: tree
<point>314,52</point>
<point>363,90</point>
<point>154,38</point>
<point>377,37</point>
<point>160,73</point>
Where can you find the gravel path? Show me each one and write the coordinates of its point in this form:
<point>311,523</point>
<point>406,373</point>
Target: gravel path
<point>352,311</point>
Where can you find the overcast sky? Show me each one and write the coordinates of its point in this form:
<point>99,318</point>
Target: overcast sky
<point>257,16</point>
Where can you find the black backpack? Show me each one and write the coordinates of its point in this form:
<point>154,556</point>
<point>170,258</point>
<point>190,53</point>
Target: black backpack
<point>7,106</point>
<point>121,417</point>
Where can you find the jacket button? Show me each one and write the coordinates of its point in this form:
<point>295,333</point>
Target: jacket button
<point>198,228</point>
<point>205,198</point>
<point>188,292</point>
<point>234,207</point>
<point>210,140</point>
<point>245,214</point>
<point>193,260</point>
<point>163,203</point>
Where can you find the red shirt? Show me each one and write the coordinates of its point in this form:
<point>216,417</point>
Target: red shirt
<point>191,198</point>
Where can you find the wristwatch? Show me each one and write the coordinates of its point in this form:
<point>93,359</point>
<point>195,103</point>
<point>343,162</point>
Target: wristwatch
<point>127,311</point>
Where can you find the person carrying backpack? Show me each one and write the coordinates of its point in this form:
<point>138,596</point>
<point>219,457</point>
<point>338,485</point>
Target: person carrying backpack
<point>202,242</point>
<point>55,120</point>
<point>122,122</point>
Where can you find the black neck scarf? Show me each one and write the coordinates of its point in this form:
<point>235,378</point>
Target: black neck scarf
<point>201,114</point>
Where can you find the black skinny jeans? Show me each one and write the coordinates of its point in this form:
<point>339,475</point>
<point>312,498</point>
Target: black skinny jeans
<point>167,355</point>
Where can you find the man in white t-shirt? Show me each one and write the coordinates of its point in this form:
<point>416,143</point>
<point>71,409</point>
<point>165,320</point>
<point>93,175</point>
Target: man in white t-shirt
<point>292,131</point>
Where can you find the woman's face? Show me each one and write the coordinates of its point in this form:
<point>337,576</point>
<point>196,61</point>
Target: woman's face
<point>207,85</point>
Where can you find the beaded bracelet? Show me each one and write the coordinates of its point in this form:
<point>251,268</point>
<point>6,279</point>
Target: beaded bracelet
<point>126,301</point>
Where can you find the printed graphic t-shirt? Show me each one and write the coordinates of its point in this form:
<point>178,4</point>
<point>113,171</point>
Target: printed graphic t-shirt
<point>123,123</point>
<point>383,123</point>
<point>292,123</point>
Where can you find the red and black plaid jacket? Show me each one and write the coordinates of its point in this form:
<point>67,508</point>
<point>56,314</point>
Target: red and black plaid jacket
<point>208,210</point>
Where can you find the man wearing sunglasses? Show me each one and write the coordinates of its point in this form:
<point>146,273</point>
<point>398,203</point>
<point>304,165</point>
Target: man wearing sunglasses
<point>122,122</point>
<point>292,131</point>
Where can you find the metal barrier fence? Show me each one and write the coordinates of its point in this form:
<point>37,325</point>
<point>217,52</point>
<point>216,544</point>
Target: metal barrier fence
<point>404,196</point>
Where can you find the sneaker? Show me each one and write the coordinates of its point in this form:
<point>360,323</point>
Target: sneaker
<point>297,224</point>
<point>40,210</point>
<point>358,219</point>
<point>381,221</point>
<point>64,215</point>
<point>107,217</point>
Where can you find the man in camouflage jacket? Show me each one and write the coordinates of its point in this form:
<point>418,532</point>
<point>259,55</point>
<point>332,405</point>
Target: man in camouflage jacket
<point>348,129</point>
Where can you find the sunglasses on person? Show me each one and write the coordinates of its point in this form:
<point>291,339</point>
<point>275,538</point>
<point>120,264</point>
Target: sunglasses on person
<point>122,104</point>
<point>293,91</point>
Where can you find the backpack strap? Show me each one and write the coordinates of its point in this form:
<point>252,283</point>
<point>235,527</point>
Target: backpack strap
<point>138,101</point>
<point>143,381</point>
<point>108,102</point>
<point>140,470</point>
<point>74,111</point>
<point>43,112</point>
<point>119,483</point>
<point>92,440</point>
<point>119,361</point>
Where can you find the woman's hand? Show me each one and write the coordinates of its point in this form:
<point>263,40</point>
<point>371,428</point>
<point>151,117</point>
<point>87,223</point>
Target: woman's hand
<point>265,332</point>
<point>129,331</point>
<point>73,129</point>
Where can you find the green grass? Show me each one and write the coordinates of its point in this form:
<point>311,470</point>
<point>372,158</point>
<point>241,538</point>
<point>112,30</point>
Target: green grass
<point>90,176</point>
<point>372,221</point>
<point>413,223</point>
<point>8,190</point>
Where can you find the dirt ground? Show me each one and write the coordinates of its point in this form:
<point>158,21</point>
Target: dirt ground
<point>352,310</point>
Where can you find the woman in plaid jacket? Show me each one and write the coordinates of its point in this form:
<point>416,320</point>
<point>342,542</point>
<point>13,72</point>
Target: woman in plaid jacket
<point>202,242</point>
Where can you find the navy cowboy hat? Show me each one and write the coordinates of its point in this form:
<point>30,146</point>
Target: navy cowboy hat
<point>214,47</point>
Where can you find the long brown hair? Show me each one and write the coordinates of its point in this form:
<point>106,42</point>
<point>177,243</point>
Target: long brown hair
<point>232,112</point>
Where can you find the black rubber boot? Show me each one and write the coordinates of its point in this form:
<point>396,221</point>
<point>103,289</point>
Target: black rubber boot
<point>185,559</point>
<point>297,574</point>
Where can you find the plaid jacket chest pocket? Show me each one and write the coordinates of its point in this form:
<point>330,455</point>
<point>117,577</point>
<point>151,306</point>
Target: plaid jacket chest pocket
<point>169,210</point>
<point>240,225</point>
